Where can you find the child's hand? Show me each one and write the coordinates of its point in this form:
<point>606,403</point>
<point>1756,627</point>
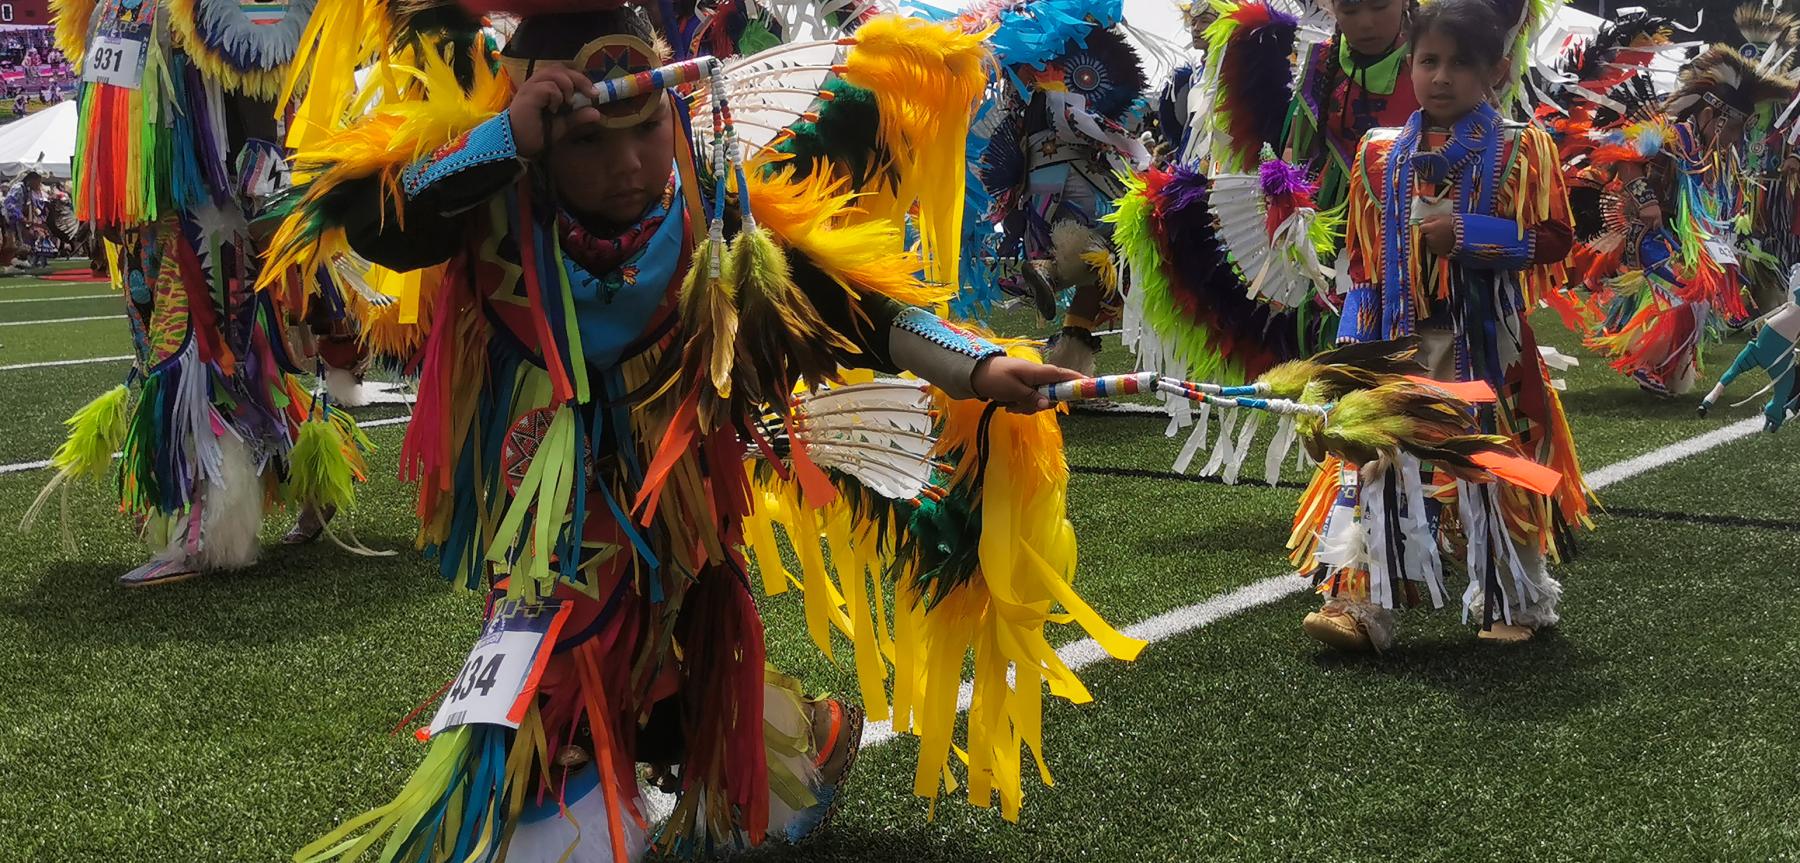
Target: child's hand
<point>1013,383</point>
<point>547,92</point>
<point>1439,234</point>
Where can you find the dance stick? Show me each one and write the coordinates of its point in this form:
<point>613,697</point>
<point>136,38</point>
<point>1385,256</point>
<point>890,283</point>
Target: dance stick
<point>1250,396</point>
<point>648,81</point>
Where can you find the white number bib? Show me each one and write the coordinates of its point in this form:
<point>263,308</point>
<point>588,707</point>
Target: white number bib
<point>114,60</point>
<point>500,677</point>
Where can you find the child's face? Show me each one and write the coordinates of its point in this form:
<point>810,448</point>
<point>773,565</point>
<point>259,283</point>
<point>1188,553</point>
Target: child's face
<point>1371,26</point>
<point>1448,83</point>
<point>613,174</point>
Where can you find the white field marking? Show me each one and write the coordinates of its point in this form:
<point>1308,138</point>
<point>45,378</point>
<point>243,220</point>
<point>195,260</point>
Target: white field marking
<point>1624,470</point>
<point>49,283</point>
<point>23,466</point>
<point>48,363</point>
<point>62,320</point>
<point>58,299</point>
<point>1181,621</point>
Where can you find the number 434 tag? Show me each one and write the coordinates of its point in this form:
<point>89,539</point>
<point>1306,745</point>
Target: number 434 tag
<point>500,677</point>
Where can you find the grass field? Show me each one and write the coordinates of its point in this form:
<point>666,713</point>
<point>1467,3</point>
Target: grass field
<point>238,717</point>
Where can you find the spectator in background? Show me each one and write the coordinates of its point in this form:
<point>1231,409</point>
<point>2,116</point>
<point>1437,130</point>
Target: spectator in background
<point>27,208</point>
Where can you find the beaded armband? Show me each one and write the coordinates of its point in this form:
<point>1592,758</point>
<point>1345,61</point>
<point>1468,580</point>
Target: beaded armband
<point>943,334</point>
<point>486,144</point>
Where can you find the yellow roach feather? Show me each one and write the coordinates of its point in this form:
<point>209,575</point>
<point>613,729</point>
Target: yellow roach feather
<point>382,144</point>
<point>818,217</point>
<point>74,19</point>
<point>926,79</point>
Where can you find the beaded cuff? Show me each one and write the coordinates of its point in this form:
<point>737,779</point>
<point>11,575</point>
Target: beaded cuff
<point>943,334</point>
<point>490,142</point>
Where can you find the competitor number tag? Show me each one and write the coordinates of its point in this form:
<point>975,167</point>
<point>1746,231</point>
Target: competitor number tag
<point>1722,252</point>
<point>500,677</point>
<point>116,61</point>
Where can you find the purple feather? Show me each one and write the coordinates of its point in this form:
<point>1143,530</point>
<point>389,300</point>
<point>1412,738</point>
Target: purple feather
<point>1280,178</point>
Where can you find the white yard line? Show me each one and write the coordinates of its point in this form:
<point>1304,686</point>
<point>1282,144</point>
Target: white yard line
<point>58,299</point>
<point>1621,471</point>
<point>62,320</point>
<point>48,363</point>
<point>1162,627</point>
<point>1186,619</point>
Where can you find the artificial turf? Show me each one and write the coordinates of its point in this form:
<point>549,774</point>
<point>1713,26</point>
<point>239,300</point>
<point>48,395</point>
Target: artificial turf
<point>238,717</point>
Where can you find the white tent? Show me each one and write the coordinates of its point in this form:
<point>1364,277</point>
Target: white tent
<point>43,142</point>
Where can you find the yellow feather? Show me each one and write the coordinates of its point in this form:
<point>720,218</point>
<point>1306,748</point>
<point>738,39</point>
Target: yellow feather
<point>926,78</point>
<point>817,217</point>
<point>74,19</point>
<point>382,144</point>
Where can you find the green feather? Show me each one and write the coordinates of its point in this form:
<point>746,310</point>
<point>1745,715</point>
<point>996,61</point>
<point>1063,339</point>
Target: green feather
<point>847,134</point>
<point>1134,234</point>
<point>95,432</point>
<point>320,475</point>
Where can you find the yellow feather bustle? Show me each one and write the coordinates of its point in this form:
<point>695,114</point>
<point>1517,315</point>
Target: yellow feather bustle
<point>382,144</point>
<point>1027,555</point>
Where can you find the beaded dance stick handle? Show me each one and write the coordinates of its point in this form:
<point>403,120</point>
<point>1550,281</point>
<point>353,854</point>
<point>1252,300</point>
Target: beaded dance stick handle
<point>647,82</point>
<point>1251,396</point>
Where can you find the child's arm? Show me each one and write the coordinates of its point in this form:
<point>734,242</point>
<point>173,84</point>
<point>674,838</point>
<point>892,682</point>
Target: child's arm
<point>1497,243</point>
<point>1538,202</point>
<point>1361,321</point>
<point>423,226</point>
<point>892,337</point>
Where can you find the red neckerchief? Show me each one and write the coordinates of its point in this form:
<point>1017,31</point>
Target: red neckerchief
<point>601,255</point>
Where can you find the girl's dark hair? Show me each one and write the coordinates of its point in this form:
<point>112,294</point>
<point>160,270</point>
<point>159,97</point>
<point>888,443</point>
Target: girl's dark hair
<point>1473,25</point>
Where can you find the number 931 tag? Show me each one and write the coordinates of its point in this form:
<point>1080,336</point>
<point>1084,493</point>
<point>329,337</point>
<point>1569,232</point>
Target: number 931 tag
<point>500,677</point>
<point>114,60</point>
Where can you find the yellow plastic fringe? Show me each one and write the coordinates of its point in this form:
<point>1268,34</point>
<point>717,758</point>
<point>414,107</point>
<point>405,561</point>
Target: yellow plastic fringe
<point>339,38</point>
<point>996,621</point>
<point>926,78</point>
